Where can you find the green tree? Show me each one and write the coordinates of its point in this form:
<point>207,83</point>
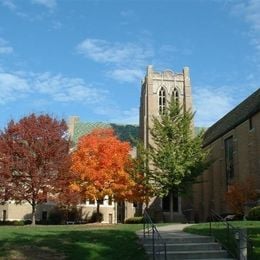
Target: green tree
<point>177,156</point>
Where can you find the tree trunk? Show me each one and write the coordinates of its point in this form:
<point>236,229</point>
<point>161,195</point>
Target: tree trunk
<point>98,211</point>
<point>171,206</point>
<point>33,213</point>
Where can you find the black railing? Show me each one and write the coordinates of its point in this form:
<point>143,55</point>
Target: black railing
<point>150,232</point>
<point>232,238</point>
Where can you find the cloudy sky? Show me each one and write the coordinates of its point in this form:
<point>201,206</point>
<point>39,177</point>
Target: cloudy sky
<point>87,57</point>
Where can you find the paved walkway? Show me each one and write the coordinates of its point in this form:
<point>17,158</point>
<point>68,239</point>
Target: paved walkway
<point>173,227</point>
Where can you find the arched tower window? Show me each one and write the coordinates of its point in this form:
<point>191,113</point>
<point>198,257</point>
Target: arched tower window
<point>162,100</point>
<point>175,96</point>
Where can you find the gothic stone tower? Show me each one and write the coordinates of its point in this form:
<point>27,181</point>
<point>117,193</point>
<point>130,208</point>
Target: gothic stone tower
<point>157,90</point>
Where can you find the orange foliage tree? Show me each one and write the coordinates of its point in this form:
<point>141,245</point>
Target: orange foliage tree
<point>102,166</point>
<point>239,194</point>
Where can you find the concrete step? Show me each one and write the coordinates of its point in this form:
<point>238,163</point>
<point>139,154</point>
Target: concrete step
<point>203,254</point>
<point>182,240</point>
<point>185,246</point>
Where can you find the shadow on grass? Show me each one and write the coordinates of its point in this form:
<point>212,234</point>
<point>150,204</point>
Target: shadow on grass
<point>86,244</point>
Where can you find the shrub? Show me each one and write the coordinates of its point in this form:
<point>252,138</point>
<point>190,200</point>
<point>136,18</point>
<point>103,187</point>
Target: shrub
<point>239,194</point>
<point>254,213</point>
<point>12,223</point>
<point>134,220</point>
<point>96,217</point>
<point>56,217</point>
<point>27,222</point>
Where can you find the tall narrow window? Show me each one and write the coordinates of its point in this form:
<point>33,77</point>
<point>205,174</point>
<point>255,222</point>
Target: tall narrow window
<point>175,96</point>
<point>162,100</point>
<point>229,160</point>
<point>250,124</point>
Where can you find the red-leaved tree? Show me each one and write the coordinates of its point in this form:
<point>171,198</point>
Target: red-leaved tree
<point>34,160</point>
<point>239,194</point>
<point>101,166</point>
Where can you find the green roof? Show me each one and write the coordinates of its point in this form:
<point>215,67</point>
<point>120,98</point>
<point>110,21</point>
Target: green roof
<point>124,132</point>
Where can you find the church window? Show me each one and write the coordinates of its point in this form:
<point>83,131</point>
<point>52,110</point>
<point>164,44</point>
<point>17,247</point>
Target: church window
<point>251,123</point>
<point>162,100</point>
<point>175,95</point>
<point>229,160</point>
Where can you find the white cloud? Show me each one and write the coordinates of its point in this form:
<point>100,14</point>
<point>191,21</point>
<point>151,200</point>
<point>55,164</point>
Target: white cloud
<point>124,117</point>
<point>210,105</point>
<point>116,115</point>
<point>51,4</point>
<point>9,4</point>
<point>250,12</point>
<point>116,53</point>
<point>15,86</point>
<point>126,59</point>
<point>12,87</point>
<point>126,75</point>
<point>5,48</point>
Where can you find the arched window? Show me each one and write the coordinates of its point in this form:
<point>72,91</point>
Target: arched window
<point>175,96</point>
<point>162,100</point>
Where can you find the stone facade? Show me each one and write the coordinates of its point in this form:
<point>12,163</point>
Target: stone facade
<point>234,145</point>
<point>157,90</point>
<point>153,82</point>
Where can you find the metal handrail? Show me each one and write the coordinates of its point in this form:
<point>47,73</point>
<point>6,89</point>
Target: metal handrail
<point>233,235</point>
<point>158,243</point>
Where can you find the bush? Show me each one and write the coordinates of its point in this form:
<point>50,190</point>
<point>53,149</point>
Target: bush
<point>254,213</point>
<point>56,217</point>
<point>96,217</point>
<point>12,223</point>
<point>134,220</point>
<point>27,222</point>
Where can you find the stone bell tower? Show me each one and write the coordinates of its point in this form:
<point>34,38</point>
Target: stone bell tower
<point>157,89</point>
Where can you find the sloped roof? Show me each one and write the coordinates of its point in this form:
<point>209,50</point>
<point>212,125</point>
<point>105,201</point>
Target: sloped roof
<point>124,132</point>
<point>235,117</point>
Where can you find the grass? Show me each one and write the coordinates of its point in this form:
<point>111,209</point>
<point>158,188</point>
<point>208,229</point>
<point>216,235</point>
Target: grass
<point>95,242</point>
<point>219,230</point>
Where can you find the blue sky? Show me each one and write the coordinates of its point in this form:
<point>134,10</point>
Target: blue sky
<point>87,57</point>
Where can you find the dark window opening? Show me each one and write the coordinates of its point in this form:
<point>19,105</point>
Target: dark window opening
<point>175,95</point>
<point>229,149</point>
<point>91,202</point>
<point>4,215</point>
<point>110,200</point>
<point>162,100</point>
<point>101,201</point>
<point>250,124</point>
<point>166,202</point>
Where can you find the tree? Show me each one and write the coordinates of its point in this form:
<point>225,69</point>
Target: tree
<point>34,159</point>
<point>176,154</point>
<point>239,194</point>
<point>101,164</point>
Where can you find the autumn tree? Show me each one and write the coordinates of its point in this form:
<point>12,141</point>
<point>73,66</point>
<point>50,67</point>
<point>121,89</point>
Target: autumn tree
<point>140,173</point>
<point>100,165</point>
<point>34,159</point>
<point>239,194</point>
<point>176,155</point>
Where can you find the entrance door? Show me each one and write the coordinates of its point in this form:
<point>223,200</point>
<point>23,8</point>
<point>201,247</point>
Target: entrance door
<point>4,215</point>
<point>110,218</point>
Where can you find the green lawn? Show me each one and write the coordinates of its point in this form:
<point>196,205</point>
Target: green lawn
<point>71,242</point>
<point>253,229</point>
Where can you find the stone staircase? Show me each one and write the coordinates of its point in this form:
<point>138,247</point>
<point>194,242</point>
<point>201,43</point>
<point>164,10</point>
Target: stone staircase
<point>181,245</point>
